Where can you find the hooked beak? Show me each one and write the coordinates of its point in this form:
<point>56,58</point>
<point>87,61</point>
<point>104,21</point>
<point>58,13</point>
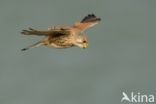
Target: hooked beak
<point>85,45</point>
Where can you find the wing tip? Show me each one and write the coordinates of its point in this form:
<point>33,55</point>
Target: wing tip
<point>90,18</point>
<point>28,32</point>
<point>25,32</point>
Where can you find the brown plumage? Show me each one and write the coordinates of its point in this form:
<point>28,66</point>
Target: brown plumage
<point>64,36</point>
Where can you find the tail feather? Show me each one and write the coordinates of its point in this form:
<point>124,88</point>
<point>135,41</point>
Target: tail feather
<point>40,43</point>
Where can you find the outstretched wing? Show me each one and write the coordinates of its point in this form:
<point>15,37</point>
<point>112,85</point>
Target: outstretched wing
<point>88,21</point>
<point>50,32</point>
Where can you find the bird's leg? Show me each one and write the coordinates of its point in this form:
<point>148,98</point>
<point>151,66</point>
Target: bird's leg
<point>40,43</point>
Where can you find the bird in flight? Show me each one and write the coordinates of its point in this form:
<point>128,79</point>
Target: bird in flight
<point>64,36</point>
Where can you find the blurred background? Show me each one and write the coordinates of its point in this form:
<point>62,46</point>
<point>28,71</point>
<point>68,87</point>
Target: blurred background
<point>120,57</point>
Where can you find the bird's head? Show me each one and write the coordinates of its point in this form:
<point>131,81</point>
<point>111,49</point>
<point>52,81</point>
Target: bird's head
<point>81,41</point>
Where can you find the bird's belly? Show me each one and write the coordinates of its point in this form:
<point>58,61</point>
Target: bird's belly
<point>60,42</point>
<point>60,45</point>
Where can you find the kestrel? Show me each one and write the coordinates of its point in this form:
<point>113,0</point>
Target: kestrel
<point>64,36</point>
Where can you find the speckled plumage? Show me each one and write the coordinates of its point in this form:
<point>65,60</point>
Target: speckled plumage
<point>64,36</point>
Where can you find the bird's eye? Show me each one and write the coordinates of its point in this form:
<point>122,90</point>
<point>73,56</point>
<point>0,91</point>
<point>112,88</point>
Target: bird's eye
<point>84,41</point>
